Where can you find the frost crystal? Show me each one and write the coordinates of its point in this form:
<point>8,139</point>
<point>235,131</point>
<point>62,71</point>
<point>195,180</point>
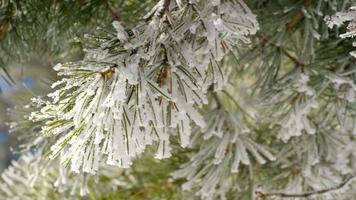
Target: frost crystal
<point>157,78</point>
<point>227,145</point>
<point>40,179</point>
<point>342,17</point>
<point>293,118</point>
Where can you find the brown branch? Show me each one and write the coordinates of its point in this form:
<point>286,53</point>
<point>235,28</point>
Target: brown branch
<point>296,98</point>
<point>215,96</point>
<point>5,24</point>
<point>260,194</point>
<point>284,51</point>
<point>288,26</point>
<point>294,20</point>
<point>4,28</point>
<point>114,15</point>
<point>297,17</point>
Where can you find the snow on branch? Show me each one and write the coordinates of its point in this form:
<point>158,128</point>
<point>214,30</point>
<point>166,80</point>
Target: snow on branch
<point>143,85</point>
<point>336,189</point>
<point>33,177</point>
<point>224,146</point>
<point>344,17</point>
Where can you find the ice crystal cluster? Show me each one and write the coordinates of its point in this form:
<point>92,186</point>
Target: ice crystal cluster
<point>147,88</point>
<point>40,180</point>
<point>227,146</point>
<point>344,17</point>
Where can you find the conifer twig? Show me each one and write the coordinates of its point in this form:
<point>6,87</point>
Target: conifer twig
<point>161,10</point>
<point>284,51</point>
<point>114,15</point>
<point>5,24</point>
<point>347,181</point>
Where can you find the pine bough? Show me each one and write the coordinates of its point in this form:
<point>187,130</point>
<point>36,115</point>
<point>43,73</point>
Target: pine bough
<point>146,85</point>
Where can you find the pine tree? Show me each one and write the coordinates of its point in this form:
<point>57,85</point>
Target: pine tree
<point>174,99</point>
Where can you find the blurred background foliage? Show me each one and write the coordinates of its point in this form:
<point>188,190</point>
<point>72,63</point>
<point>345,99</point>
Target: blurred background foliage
<point>37,34</point>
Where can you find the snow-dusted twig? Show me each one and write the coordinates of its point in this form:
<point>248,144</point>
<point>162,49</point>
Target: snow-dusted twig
<point>342,185</point>
<point>284,51</point>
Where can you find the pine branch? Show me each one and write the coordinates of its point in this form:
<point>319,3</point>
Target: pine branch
<point>284,51</point>
<point>114,15</point>
<point>297,17</point>
<point>5,24</point>
<point>217,99</point>
<point>261,194</point>
<point>164,9</point>
<point>294,20</point>
<point>160,85</point>
<point>161,11</point>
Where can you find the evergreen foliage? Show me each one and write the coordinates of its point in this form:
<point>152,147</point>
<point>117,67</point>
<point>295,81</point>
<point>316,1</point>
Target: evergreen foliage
<point>213,99</point>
